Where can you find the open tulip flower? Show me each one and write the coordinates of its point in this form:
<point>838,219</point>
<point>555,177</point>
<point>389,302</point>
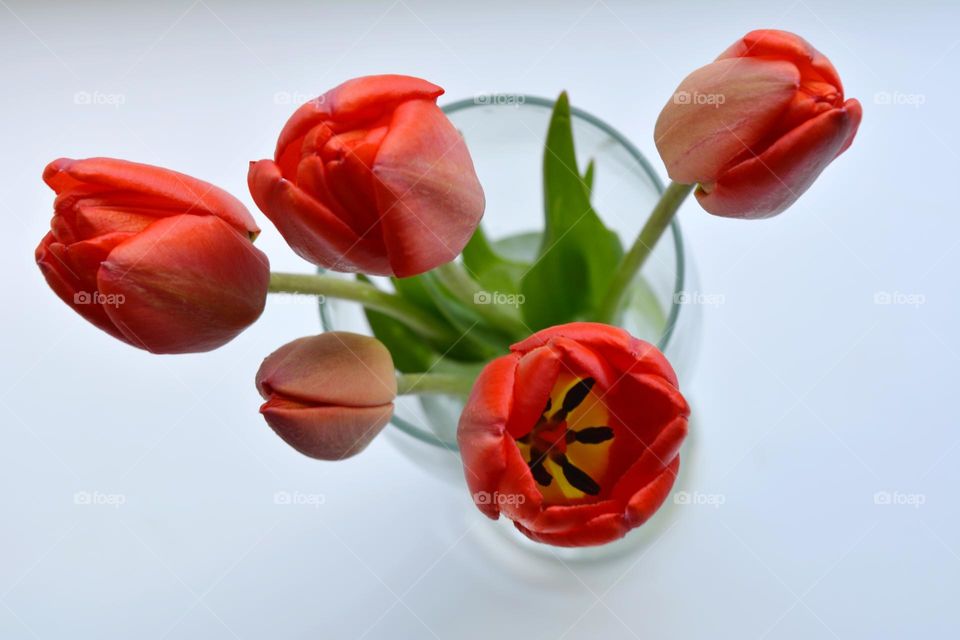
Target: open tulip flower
<point>371,177</point>
<point>575,435</point>
<point>155,258</point>
<point>757,126</point>
<point>329,395</point>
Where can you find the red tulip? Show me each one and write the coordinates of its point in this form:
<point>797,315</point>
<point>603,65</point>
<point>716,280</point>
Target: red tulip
<point>757,126</point>
<point>328,396</point>
<point>371,177</point>
<point>574,435</point>
<point>153,257</point>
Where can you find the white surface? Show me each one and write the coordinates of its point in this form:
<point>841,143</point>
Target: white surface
<point>809,397</point>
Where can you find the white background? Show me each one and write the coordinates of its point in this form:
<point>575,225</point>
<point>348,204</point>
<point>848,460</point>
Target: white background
<point>809,397</point>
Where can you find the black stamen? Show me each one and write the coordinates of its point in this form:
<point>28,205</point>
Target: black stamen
<point>574,397</point>
<point>577,477</point>
<point>590,435</point>
<point>540,473</point>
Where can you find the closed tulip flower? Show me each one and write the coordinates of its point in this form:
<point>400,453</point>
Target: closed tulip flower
<point>371,177</point>
<point>757,126</point>
<point>329,395</point>
<point>574,435</point>
<point>155,258</point>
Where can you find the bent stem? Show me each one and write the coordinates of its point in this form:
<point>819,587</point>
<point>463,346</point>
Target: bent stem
<point>660,218</point>
<point>450,383</point>
<point>366,294</point>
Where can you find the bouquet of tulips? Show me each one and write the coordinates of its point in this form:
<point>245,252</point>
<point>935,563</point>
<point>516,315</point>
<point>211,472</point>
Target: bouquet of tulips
<point>572,416</point>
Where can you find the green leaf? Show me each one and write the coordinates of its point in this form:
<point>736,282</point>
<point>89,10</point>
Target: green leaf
<point>492,270</point>
<point>410,353</point>
<point>588,177</point>
<point>578,254</point>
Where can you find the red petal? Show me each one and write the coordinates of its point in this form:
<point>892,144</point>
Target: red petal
<point>536,374</point>
<point>429,198</point>
<point>334,368</point>
<point>311,229</point>
<point>658,457</point>
<point>185,284</point>
<point>66,272</point>
<point>614,345</point>
<point>720,112</point>
<point>767,184</point>
<point>651,497</point>
<point>354,102</point>
<point>168,189</point>
<point>482,434</point>
<point>783,45</point>
<point>327,433</point>
<point>600,530</point>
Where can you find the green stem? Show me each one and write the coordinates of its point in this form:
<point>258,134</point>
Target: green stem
<point>656,224</point>
<point>449,383</point>
<point>366,294</point>
<point>469,292</point>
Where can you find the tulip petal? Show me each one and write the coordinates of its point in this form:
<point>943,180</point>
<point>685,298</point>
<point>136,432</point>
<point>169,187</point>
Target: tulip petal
<point>783,45</point>
<point>766,185</point>
<point>429,198</point>
<point>855,110</point>
<point>68,272</point>
<point>614,345</point>
<point>311,229</point>
<point>600,530</point>
<point>719,112</point>
<point>481,434</point>
<point>327,432</point>
<point>516,490</point>
<point>645,502</point>
<point>185,284</point>
<point>335,368</point>
<point>355,102</point>
<point>557,518</point>
<point>656,458</point>
<point>536,374</point>
<point>175,190</point>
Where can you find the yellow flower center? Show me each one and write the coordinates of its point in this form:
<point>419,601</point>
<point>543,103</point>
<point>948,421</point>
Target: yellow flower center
<point>568,448</point>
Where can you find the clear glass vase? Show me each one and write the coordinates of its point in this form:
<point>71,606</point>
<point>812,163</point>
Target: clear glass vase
<point>505,135</point>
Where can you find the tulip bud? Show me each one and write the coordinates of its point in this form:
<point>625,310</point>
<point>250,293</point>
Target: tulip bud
<point>574,435</point>
<point>757,126</point>
<point>155,258</point>
<point>329,395</point>
<point>371,177</point>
